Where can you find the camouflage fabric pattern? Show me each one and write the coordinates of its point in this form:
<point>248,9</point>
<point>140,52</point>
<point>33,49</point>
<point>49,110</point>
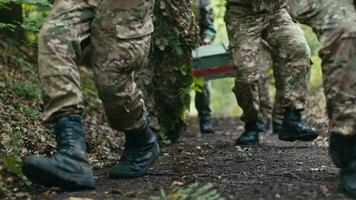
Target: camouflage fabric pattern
<point>334,21</point>
<point>265,58</point>
<point>258,6</point>
<point>268,110</point>
<point>202,102</point>
<point>206,21</point>
<point>145,78</point>
<point>207,33</point>
<point>290,54</point>
<point>119,33</point>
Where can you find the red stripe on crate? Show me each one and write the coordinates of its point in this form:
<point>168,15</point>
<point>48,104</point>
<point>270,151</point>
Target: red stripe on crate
<point>211,71</point>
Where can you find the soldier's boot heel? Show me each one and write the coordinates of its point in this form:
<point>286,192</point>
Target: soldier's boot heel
<point>343,154</point>
<point>264,125</point>
<point>141,150</point>
<point>205,126</point>
<point>251,134</point>
<point>69,168</point>
<point>293,129</point>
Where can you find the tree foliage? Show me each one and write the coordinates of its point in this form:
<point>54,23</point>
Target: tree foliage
<point>32,11</point>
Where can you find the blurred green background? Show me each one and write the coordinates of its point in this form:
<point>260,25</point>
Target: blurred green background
<point>223,101</point>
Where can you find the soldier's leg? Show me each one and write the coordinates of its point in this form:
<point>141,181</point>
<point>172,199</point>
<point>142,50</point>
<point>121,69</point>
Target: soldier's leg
<point>324,17</point>
<point>121,38</point>
<point>265,64</point>
<point>340,92</point>
<point>168,100</point>
<point>335,22</point>
<point>202,103</point>
<point>265,102</point>
<point>291,57</point>
<point>335,25</point>
<point>170,83</point>
<point>339,71</point>
<point>245,33</point>
<point>278,110</point>
<point>268,111</point>
<point>145,79</point>
<point>206,23</point>
<point>60,41</point>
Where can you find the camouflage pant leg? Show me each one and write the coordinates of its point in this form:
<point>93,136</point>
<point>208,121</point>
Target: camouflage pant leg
<point>324,16</point>
<point>291,59</point>
<point>264,82</point>
<point>265,63</point>
<point>265,102</point>
<point>202,102</point>
<point>145,77</point>
<point>245,41</point>
<point>277,110</point>
<point>335,22</point>
<point>206,18</point>
<point>339,69</point>
<point>120,45</point>
<point>60,39</point>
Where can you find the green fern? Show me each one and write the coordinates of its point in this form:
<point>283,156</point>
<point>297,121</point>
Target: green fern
<point>195,191</point>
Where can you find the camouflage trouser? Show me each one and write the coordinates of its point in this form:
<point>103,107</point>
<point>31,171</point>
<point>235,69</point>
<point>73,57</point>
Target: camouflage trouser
<point>206,22</point>
<point>264,81</point>
<point>290,55</point>
<point>145,78</point>
<point>268,110</point>
<point>202,102</point>
<point>119,34</point>
<point>334,21</point>
<point>207,29</point>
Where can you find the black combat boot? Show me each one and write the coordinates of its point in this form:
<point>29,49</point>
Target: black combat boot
<point>69,168</point>
<point>277,127</point>
<point>343,153</point>
<point>205,125</point>
<point>263,125</point>
<point>141,149</point>
<point>250,136</point>
<point>293,129</point>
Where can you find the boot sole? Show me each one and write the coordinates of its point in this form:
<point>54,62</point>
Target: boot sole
<point>247,144</point>
<point>136,175</point>
<point>342,188</point>
<point>288,138</point>
<point>71,182</point>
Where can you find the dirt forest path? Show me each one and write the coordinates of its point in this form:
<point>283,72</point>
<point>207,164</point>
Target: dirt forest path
<point>271,170</point>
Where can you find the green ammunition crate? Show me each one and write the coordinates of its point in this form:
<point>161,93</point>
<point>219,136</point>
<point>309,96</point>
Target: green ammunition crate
<point>212,62</point>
